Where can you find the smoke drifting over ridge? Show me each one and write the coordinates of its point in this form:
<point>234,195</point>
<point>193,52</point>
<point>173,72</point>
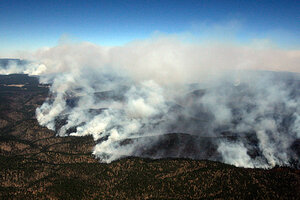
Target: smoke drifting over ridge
<point>129,97</point>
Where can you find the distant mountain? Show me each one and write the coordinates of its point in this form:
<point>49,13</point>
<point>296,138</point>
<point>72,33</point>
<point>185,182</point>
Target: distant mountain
<point>4,62</point>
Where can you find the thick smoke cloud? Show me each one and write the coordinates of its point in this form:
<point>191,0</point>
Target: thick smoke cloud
<point>215,99</point>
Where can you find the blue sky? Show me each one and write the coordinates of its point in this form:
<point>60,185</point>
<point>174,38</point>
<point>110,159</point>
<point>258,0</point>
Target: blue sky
<point>30,24</point>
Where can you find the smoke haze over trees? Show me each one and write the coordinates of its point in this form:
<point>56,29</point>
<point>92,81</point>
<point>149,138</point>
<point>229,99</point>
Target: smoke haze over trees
<point>224,101</point>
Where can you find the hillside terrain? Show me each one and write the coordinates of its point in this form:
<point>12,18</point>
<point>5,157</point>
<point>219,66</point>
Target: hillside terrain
<point>36,164</point>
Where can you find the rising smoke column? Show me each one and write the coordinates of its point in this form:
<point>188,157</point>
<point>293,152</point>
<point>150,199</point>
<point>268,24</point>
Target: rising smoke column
<point>127,97</point>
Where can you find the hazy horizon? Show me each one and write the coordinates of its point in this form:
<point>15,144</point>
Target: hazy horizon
<point>30,25</point>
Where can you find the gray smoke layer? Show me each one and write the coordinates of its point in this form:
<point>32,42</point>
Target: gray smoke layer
<point>165,98</point>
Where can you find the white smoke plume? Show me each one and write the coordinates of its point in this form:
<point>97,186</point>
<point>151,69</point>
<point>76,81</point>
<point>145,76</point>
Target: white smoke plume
<point>29,68</point>
<point>129,97</point>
